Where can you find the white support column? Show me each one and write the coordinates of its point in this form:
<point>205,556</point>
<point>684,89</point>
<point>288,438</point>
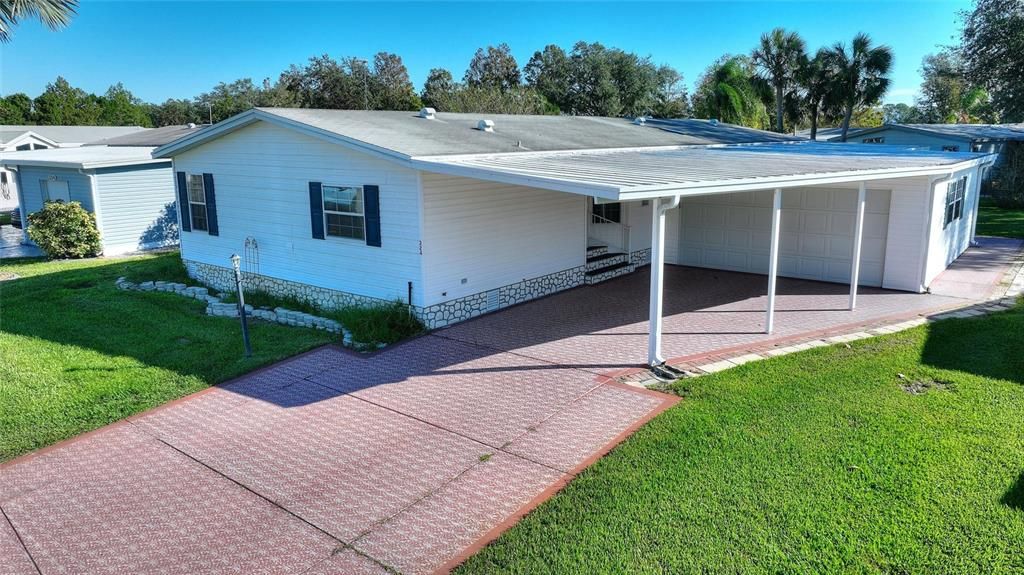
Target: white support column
<point>658,209</point>
<point>773,261</point>
<point>858,236</point>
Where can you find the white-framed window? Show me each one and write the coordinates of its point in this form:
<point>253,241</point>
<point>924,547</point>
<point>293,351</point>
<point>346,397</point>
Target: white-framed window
<point>875,140</point>
<point>344,212</point>
<point>955,193</point>
<point>197,203</point>
<point>55,190</point>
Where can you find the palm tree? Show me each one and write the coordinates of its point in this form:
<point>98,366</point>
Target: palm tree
<point>55,14</point>
<point>778,58</point>
<point>861,75</point>
<point>816,80</point>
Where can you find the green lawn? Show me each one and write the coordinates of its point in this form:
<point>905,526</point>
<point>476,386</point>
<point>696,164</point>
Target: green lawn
<point>996,221</point>
<point>819,462</point>
<point>76,353</point>
<point>5,218</point>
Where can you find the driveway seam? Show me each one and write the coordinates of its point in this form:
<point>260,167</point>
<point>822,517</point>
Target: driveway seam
<point>21,541</point>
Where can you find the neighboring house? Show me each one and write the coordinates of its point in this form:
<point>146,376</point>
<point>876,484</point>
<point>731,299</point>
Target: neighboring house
<point>15,138</point>
<point>131,194</point>
<point>983,138</point>
<point>461,214</point>
<point>833,134</point>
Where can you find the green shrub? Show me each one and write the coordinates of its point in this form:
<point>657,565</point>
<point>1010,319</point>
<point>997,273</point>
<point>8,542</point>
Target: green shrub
<point>386,323</point>
<point>64,230</point>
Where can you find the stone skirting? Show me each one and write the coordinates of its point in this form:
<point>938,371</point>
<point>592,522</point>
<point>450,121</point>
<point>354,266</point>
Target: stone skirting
<point>461,309</point>
<point>434,316</point>
<point>640,257</point>
<point>223,279</point>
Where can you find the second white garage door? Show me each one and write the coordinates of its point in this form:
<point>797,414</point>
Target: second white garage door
<point>733,232</point>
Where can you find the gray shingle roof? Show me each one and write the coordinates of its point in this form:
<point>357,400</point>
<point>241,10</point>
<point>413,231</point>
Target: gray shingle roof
<point>67,134</point>
<point>150,138</point>
<point>410,135</point>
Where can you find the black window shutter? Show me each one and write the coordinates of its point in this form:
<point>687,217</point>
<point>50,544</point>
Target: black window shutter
<point>316,209</point>
<point>183,207</point>
<point>211,206</point>
<point>371,204</point>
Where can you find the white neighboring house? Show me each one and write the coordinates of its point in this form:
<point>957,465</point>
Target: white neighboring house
<point>17,138</point>
<point>462,214</point>
<point>117,179</point>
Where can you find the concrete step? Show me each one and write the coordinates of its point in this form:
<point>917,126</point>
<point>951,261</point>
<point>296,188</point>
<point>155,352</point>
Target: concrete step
<point>596,262</point>
<point>608,272</point>
<point>596,250</point>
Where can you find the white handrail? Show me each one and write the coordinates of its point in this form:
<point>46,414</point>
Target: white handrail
<point>624,229</point>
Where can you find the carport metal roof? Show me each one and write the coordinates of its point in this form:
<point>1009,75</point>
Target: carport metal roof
<point>641,173</point>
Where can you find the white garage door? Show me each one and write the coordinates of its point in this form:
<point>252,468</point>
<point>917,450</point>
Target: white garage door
<point>733,232</point>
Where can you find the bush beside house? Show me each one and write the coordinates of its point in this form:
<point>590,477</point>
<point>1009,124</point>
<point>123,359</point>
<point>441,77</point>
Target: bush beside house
<point>65,231</point>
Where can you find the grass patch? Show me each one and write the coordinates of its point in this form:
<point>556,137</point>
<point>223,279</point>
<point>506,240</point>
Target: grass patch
<point>996,221</point>
<point>76,353</point>
<point>386,323</point>
<point>818,462</point>
<point>5,218</point>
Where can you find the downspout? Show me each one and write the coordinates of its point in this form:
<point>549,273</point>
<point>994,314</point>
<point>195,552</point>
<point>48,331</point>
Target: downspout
<point>933,182</point>
<point>22,213</point>
<point>654,357</point>
<point>94,194</point>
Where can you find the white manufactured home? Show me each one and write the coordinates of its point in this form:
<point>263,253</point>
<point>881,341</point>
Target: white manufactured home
<point>460,214</point>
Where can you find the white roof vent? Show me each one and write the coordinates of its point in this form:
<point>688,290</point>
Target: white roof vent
<point>640,120</point>
<point>427,113</point>
<point>713,121</point>
<point>191,125</point>
<point>485,125</point>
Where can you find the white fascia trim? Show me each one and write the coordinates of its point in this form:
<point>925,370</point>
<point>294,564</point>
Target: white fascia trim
<point>254,115</point>
<point>612,192</point>
<point>80,165</point>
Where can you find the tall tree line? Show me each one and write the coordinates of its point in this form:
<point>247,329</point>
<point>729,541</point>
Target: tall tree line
<point>589,79</point>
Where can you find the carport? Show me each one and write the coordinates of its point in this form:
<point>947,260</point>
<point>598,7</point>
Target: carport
<point>932,200</point>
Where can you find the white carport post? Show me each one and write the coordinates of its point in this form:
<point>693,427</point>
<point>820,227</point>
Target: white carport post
<point>658,209</point>
<point>858,237</point>
<point>773,261</point>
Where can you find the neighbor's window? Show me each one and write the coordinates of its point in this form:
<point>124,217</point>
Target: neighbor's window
<point>604,213</point>
<point>878,140</point>
<point>23,147</point>
<point>343,212</point>
<point>950,148</point>
<point>197,202</point>
<point>955,201</point>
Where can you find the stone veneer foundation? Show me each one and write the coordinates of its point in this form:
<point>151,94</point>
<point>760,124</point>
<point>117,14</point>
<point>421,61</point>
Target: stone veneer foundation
<point>433,316</point>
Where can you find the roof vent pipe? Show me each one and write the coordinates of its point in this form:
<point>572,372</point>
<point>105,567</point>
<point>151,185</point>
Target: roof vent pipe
<point>485,125</point>
<point>640,120</point>
<point>713,121</point>
<point>427,113</point>
<point>191,125</point>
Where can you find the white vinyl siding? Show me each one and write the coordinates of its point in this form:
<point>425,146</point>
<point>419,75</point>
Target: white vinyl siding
<point>907,236</point>
<point>947,242</point>
<point>262,174</point>
<point>34,192</point>
<point>733,232</point>
<point>137,207</point>
<point>492,235</point>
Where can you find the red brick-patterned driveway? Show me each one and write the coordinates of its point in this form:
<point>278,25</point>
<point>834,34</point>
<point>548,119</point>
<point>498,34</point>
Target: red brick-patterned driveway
<point>404,460</point>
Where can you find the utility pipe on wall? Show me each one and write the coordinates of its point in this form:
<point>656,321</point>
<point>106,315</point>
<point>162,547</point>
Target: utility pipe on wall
<point>858,238</point>
<point>658,209</point>
<point>773,261</point>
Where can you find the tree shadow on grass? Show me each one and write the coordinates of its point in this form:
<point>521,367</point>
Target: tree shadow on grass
<point>988,346</point>
<point>1015,496</point>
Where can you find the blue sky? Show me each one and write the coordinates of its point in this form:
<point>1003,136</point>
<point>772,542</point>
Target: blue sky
<point>165,49</point>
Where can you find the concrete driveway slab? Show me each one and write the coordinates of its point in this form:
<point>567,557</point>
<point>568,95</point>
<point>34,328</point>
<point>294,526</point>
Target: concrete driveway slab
<point>122,502</point>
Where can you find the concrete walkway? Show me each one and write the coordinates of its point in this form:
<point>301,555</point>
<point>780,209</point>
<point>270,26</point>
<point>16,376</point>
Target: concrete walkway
<point>11,246</point>
<point>410,459</point>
